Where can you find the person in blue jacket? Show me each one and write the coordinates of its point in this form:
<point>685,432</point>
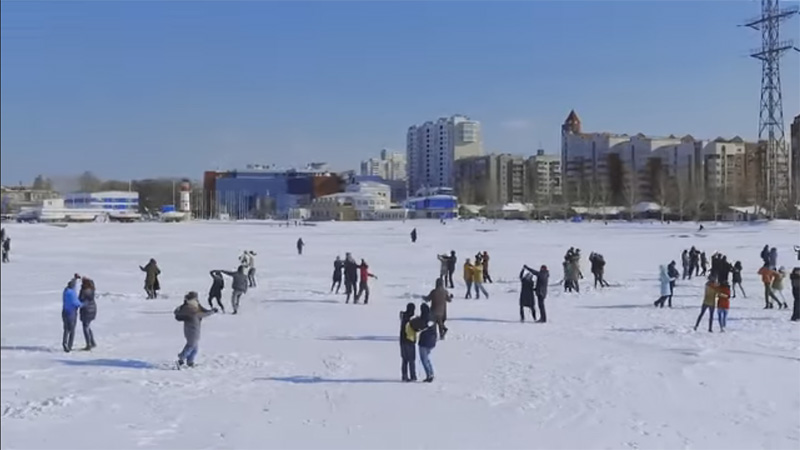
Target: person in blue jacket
<point>69,314</point>
<point>666,292</point>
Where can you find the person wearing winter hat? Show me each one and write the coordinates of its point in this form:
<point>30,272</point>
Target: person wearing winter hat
<point>542,277</point>
<point>408,352</point>
<point>191,313</point>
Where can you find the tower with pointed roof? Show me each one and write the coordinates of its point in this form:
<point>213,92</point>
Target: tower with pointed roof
<point>572,125</point>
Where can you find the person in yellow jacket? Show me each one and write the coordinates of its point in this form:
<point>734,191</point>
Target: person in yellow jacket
<point>468,269</point>
<point>477,281</point>
<point>709,303</point>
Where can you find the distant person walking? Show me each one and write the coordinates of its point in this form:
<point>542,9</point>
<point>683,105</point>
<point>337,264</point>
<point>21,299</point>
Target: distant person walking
<point>414,235</point>
<point>191,313</point>
<point>300,245</point>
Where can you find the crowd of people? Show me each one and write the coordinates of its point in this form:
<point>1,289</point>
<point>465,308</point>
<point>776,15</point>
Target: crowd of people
<point>424,330</point>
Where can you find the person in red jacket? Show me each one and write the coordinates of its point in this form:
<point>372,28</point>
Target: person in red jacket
<point>723,304</point>
<point>363,286</point>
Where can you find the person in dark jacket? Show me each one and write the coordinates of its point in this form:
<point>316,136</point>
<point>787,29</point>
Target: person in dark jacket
<point>338,265</point>
<point>439,298</point>
<point>88,311</point>
<point>191,313</point>
<point>715,260</point>
<point>526,295</point>
<point>69,313</point>
<point>765,255</point>
<point>151,271</point>
<point>217,285</point>
<point>686,264</point>
<point>239,285</point>
<point>6,249</point>
<point>737,279</point>
<point>724,269</point>
<point>350,276</point>
<point>408,351</point>
<point>485,262</point>
<point>795,280</point>
<point>414,235</point>
<point>300,245</point>
<point>598,264</point>
<point>542,278</point>
<point>673,274</point>
<point>773,258</point>
<point>427,341</point>
<point>703,263</point>
<point>451,268</point>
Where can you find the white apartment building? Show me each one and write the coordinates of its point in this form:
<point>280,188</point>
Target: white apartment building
<point>543,178</point>
<point>432,148</point>
<point>390,166</point>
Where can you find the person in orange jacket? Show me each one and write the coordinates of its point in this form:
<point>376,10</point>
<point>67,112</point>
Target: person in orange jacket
<point>723,304</point>
<point>767,277</point>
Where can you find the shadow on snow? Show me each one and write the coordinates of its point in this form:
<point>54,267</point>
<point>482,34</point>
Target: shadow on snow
<point>302,301</point>
<point>120,363</point>
<point>361,338</point>
<point>481,319</point>
<point>305,379</point>
<point>27,348</point>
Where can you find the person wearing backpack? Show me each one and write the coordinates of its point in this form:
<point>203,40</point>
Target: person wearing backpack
<point>191,313</point>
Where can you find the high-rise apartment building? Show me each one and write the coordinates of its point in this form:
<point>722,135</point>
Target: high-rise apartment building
<point>495,179</point>
<point>390,166</point>
<point>433,147</point>
<point>543,179</point>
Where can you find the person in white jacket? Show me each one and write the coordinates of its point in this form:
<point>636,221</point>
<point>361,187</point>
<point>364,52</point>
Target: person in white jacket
<point>248,260</point>
<point>666,293</point>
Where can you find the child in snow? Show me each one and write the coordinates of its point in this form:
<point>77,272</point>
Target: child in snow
<point>427,340</point>
<point>407,349</point>
<point>723,303</point>
<point>217,285</point>
<point>191,313</point>
<point>709,302</point>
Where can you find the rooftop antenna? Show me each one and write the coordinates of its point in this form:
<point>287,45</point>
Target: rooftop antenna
<point>776,180</point>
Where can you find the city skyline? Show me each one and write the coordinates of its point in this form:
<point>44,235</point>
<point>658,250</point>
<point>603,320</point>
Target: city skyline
<point>171,89</point>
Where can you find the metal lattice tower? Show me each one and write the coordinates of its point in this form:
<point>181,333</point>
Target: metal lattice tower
<point>776,183</point>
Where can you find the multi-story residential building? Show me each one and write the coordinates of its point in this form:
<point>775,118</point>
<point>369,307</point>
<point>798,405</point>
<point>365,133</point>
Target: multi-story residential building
<point>433,147</point>
<point>390,166</point>
<point>543,178</point>
<point>794,139</point>
<point>511,178</point>
<point>724,171</point>
<point>495,179</point>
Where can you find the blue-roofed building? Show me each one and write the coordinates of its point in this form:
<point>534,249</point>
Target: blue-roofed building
<point>439,203</point>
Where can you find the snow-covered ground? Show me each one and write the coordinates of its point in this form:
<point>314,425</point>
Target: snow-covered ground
<point>300,369</point>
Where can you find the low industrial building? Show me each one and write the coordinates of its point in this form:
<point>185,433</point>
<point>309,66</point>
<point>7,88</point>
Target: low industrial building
<point>86,207</point>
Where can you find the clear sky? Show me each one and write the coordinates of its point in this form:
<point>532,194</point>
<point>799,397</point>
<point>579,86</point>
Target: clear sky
<point>172,88</point>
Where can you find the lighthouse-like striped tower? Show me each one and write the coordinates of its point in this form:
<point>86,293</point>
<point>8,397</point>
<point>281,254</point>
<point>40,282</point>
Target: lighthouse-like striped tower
<point>185,199</point>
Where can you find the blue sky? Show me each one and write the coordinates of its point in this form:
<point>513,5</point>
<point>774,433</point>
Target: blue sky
<point>172,88</point>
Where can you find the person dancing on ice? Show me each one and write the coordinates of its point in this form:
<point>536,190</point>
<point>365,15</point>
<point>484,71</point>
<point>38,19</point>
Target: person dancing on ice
<point>427,340</point>
<point>468,273</point>
<point>239,285</point>
<point>736,277</point>
<point>191,313</point>
<point>363,286</point>
<point>542,278</point>
<point>526,295</point>
<point>709,302</point>
<point>152,272</point>
<point>217,285</point>
<point>723,304</point>
<point>439,298</point>
<point>408,352</point>
<point>338,265</point>
<point>350,276</point>
<point>767,277</point>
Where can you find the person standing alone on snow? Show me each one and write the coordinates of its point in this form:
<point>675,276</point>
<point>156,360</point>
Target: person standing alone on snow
<point>191,313</point>
<point>414,235</point>
<point>300,245</point>
<point>88,311</point>
<point>451,268</point>
<point>152,272</point>
<point>6,249</point>
<point>239,284</point>
<point>408,351</point>
<point>69,313</point>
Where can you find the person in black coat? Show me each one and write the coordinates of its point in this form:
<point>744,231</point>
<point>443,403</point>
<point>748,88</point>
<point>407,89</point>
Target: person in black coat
<point>88,311</point>
<point>451,268</point>
<point>338,265</point>
<point>217,285</point>
<point>408,353</point>
<point>694,262</point>
<point>542,278</point>
<point>737,279</point>
<point>526,299</point>
<point>703,263</point>
<point>413,235</point>
<point>350,276</point>
<point>427,339</point>
<point>686,264</point>
<point>765,255</point>
<point>673,274</point>
<point>794,277</point>
<point>723,269</point>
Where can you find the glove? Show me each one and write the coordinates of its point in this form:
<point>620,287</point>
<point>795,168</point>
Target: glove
<point>215,310</point>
